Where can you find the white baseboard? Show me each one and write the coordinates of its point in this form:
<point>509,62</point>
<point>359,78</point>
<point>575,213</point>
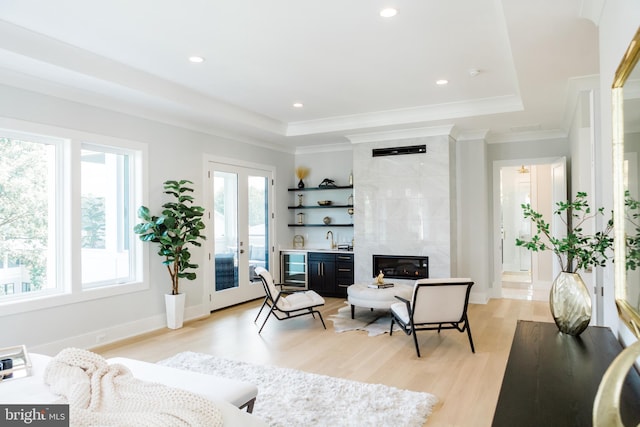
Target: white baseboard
<point>478,297</point>
<point>116,333</point>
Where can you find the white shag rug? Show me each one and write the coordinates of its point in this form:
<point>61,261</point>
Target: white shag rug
<point>291,398</point>
<point>376,322</point>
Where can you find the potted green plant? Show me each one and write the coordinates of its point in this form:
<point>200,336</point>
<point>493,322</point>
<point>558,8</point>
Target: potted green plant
<point>569,300</point>
<point>175,230</point>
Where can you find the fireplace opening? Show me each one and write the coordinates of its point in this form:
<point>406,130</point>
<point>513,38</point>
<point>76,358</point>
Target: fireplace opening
<point>401,267</point>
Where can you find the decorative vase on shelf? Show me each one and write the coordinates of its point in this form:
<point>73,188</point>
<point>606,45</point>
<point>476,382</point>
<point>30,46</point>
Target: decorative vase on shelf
<point>570,303</point>
<point>300,184</point>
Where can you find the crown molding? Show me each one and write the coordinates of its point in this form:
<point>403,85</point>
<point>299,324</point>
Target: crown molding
<point>400,134</point>
<point>592,10</point>
<point>472,135</point>
<point>324,148</point>
<point>37,56</point>
<point>501,138</point>
<point>407,116</point>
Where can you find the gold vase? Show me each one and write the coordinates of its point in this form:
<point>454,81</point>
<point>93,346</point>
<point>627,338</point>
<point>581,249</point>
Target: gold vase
<point>570,303</point>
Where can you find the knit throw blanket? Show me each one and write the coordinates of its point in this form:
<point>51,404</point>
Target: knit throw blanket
<point>108,395</point>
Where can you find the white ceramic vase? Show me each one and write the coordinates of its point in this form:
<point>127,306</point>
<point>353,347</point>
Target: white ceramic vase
<point>570,303</point>
<point>174,305</point>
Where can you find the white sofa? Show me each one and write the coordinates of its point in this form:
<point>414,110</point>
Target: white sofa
<point>234,398</point>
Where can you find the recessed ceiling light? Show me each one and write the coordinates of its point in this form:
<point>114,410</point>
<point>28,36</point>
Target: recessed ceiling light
<point>388,12</point>
<point>442,82</point>
<point>298,104</point>
<point>196,59</point>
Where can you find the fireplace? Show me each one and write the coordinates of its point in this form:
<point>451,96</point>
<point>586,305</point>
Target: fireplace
<point>401,267</point>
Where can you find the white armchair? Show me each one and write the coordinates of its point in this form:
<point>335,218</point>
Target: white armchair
<point>287,304</point>
<point>436,304</point>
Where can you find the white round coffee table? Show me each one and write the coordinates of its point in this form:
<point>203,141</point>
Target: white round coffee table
<point>362,295</point>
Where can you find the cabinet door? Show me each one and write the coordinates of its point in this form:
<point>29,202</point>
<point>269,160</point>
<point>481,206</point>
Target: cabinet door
<point>314,270</point>
<point>321,268</point>
<point>329,276</point>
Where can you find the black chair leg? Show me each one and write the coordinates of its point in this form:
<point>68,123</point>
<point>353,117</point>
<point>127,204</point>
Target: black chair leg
<point>321,319</point>
<point>466,325</point>
<point>415,339</point>
<point>260,311</point>
<point>265,319</point>
<point>393,321</point>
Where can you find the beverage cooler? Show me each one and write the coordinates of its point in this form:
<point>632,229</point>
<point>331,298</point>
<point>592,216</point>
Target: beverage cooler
<point>293,269</point>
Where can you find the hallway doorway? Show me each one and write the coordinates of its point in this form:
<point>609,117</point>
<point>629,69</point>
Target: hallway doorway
<point>520,273</point>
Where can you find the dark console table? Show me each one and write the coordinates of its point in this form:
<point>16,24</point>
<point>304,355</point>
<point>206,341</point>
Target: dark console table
<point>551,379</point>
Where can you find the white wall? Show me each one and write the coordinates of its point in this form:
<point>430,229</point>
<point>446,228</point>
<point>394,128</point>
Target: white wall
<point>474,230</point>
<point>174,153</point>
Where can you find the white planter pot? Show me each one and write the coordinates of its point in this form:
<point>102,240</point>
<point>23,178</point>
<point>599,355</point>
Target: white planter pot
<point>174,305</point>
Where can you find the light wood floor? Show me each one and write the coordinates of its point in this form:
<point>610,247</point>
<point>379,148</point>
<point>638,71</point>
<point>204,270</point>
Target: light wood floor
<point>466,384</point>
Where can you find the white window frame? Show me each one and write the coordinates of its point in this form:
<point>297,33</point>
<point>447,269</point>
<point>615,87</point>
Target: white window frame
<point>68,246</point>
<point>133,202</point>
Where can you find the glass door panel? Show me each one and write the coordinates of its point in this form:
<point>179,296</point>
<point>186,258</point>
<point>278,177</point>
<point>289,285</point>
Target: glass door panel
<point>258,225</point>
<point>225,203</point>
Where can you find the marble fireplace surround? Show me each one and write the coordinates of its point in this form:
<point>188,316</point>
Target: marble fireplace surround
<point>405,204</point>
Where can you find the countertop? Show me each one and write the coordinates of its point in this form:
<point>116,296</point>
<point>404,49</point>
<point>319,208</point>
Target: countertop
<point>334,251</point>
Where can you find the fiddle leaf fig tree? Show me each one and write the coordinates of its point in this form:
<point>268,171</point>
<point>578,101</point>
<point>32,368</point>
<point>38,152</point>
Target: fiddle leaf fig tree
<point>577,249</point>
<point>177,228</point>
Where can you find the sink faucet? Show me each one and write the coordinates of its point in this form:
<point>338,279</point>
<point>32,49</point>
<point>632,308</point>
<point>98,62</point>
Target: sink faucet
<point>333,245</point>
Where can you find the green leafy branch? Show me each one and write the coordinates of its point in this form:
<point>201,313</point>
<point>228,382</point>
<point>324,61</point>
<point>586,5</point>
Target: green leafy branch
<point>632,241</point>
<point>577,250</point>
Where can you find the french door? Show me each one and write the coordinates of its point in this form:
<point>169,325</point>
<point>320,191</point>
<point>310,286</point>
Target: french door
<point>240,217</point>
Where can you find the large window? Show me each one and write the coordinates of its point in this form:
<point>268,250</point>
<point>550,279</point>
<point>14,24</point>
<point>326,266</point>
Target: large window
<point>106,223</point>
<point>28,234</point>
<point>67,209</point>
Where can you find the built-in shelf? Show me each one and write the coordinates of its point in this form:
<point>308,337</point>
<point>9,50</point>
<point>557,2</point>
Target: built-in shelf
<point>321,225</point>
<point>331,206</point>
<point>321,207</point>
<point>338,187</point>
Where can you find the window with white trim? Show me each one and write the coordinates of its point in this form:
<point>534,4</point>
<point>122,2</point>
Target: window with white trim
<point>28,209</point>
<point>106,202</point>
<point>67,209</point>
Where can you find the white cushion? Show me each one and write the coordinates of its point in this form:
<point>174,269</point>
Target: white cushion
<point>435,304</point>
<point>400,310</point>
<point>300,300</point>
<point>441,304</point>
